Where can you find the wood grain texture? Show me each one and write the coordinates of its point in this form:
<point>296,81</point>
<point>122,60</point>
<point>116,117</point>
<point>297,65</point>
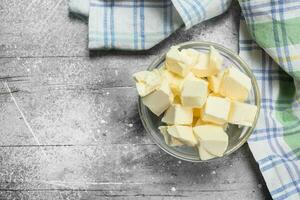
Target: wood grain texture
<point>69,126</point>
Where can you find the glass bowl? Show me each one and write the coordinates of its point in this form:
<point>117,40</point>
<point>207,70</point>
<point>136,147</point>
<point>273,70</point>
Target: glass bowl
<point>238,135</point>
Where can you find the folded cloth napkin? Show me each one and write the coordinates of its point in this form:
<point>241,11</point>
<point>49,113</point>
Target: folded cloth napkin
<point>275,61</point>
<point>141,24</point>
<point>269,42</point>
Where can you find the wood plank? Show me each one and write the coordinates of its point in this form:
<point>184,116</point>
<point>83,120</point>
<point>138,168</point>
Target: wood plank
<point>70,116</point>
<point>125,171</point>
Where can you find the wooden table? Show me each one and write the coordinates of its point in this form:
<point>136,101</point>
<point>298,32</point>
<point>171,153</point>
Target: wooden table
<point>69,126</point>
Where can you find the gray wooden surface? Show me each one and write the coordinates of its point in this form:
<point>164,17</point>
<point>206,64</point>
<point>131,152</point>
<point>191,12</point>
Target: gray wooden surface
<point>69,126</point>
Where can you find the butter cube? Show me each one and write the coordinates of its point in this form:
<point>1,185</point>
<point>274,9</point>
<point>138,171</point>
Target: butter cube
<point>164,132</point>
<point>196,112</point>
<point>201,68</point>
<point>184,134</point>
<point>176,114</point>
<point>212,138</point>
<point>216,110</point>
<point>174,80</point>
<point>177,62</point>
<point>204,155</point>
<point>235,84</point>
<point>242,113</point>
<point>208,64</point>
<point>199,122</point>
<point>194,92</point>
<point>159,100</point>
<point>169,140</point>
<point>192,54</point>
<point>215,82</point>
<point>175,142</point>
<point>215,60</point>
<point>147,82</point>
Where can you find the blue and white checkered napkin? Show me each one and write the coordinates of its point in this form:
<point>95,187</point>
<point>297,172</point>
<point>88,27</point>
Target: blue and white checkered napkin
<point>275,27</point>
<point>141,24</point>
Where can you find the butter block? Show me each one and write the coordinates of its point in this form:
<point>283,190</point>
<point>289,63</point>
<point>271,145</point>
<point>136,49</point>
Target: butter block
<point>147,81</point>
<point>175,81</point>
<point>177,114</point>
<point>194,92</point>
<point>216,110</point>
<point>184,134</point>
<point>164,131</point>
<point>199,122</point>
<point>204,155</point>
<point>197,112</point>
<point>212,138</point>
<point>235,84</point>
<point>215,60</point>
<point>159,100</point>
<point>175,142</point>
<point>242,113</point>
<point>177,62</point>
<point>208,64</point>
<point>201,68</point>
<point>169,140</point>
<point>215,82</point>
<point>192,54</point>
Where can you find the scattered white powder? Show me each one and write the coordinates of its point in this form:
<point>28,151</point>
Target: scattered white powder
<point>103,121</point>
<point>107,93</point>
<point>130,125</point>
<point>214,172</point>
<point>173,189</point>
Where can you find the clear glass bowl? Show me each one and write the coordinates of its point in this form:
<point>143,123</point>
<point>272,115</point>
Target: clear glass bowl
<point>237,135</point>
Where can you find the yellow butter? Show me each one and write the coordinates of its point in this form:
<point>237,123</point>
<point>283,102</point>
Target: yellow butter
<point>169,140</point>
<point>208,64</point>
<point>177,114</point>
<point>159,100</point>
<point>199,122</point>
<point>203,154</point>
<point>192,54</point>
<point>194,92</point>
<point>201,68</point>
<point>147,81</point>
<point>242,113</point>
<point>175,142</point>
<point>164,131</point>
<point>184,134</point>
<point>215,61</point>
<point>196,112</point>
<point>212,138</point>
<point>174,80</point>
<point>216,110</point>
<point>235,84</point>
<point>215,82</point>
<point>177,62</point>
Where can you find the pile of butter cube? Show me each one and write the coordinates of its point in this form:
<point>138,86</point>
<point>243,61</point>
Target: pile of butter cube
<point>198,98</point>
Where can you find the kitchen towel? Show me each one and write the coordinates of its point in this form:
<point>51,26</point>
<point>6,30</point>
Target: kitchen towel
<point>141,24</point>
<point>269,42</point>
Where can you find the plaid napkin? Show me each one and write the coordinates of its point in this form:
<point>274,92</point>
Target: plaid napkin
<point>141,24</point>
<point>275,61</point>
<point>269,42</point>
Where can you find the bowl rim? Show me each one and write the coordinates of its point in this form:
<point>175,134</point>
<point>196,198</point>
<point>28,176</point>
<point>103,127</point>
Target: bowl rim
<point>242,64</point>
